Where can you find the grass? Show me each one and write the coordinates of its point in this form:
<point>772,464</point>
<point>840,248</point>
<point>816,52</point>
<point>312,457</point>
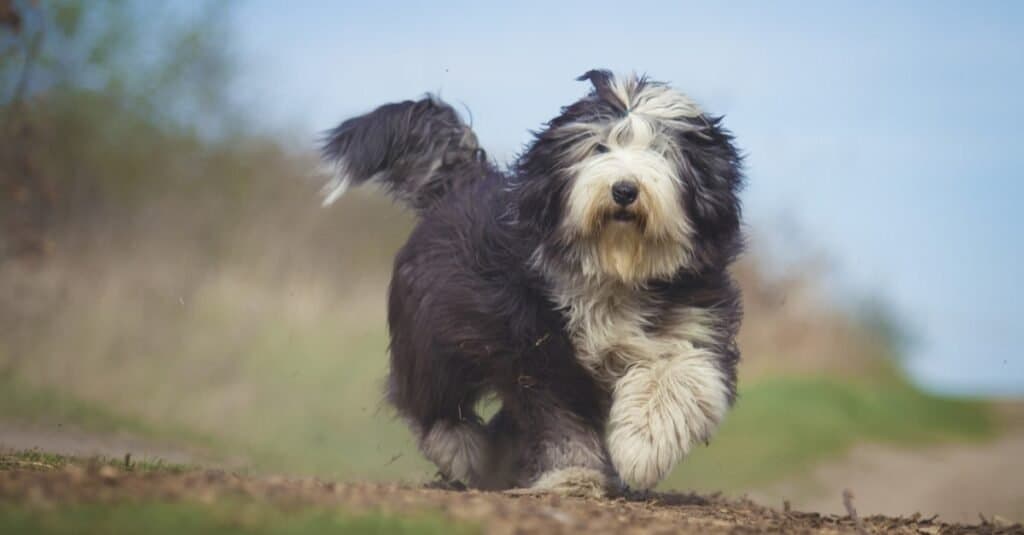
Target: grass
<point>783,426</point>
<point>312,405</point>
<point>237,517</point>
<point>37,460</point>
<point>24,402</point>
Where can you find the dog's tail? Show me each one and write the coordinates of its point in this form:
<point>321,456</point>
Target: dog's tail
<point>418,150</point>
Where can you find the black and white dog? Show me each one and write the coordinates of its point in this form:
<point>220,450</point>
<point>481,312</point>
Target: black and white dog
<point>587,286</point>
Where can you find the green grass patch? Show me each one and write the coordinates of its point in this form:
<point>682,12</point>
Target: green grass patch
<point>23,402</point>
<point>783,426</point>
<point>241,518</point>
<point>44,461</point>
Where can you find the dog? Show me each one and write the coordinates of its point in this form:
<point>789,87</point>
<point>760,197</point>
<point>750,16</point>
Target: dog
<point>586,286</point>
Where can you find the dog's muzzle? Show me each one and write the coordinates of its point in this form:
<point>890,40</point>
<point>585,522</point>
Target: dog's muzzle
<point>624,192</point>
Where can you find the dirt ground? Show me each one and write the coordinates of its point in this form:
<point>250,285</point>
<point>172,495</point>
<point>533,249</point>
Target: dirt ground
<point>955,481</point>
<point>956,476</point>
<point>496,513</point>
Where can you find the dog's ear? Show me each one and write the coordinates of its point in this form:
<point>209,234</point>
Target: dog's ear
<point>540,189</point>
<point>715,176</point>
<point>602,80</point>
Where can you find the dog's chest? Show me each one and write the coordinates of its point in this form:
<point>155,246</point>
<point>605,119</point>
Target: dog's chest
<point>612,330</point>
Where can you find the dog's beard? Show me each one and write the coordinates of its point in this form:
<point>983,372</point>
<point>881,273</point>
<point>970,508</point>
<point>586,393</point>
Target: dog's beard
<point>621,251</point>
<point>620,247</point>
<point>631,245</point>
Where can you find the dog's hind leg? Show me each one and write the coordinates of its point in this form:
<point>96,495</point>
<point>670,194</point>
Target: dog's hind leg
<point>556,450</point>
<point>458,448</point>
<point>437,399</point>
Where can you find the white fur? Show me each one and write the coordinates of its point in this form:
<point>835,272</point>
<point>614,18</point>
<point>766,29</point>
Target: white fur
<point>456,449</point>
<point>338,182</point>
<point>656,101</point>
<point>639,151</point>
<point>572,481</point>
<point>658,201</point>
<point>667,393</point>
<point>659,410</point>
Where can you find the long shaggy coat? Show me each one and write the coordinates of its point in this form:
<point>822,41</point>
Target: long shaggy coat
<point>586,286</point>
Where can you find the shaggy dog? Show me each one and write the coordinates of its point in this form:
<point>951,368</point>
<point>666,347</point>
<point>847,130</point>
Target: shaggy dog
<point>586,286</point>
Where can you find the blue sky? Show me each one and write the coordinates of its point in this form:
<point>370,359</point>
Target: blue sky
<point>890,134</point>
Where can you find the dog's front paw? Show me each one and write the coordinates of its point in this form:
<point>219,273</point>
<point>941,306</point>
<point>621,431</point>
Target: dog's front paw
<point>643,448</point>
<point>653,421</point>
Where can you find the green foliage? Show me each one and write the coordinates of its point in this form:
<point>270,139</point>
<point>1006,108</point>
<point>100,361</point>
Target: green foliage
<point>67,15</point>
<point>104,103</point>
<point>880,320</point>
<point>167,62</point>
<point>224,517</point>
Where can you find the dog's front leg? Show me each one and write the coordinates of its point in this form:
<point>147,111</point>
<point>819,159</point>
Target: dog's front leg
<point>660,408</point>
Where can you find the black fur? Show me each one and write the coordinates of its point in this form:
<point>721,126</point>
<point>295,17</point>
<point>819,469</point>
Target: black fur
<point>418,149</point>
<point>470,311</point>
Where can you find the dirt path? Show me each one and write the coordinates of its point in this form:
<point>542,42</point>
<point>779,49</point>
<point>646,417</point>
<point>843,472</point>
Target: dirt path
<point>957,482</point>
<point>496,513</point>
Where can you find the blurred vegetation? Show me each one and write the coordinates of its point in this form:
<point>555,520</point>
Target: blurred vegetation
<point>22,402</point>
<point>166,269</point>
<point>106,103</point>
<point>41,461</point>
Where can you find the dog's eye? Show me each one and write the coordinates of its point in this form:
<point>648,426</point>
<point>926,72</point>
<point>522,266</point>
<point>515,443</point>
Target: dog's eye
<point>600,148</point>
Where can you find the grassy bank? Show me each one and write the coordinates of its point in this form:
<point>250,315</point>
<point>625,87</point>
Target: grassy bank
<point>783,426</point>
<point>37,460</point>
<point>24,403</point>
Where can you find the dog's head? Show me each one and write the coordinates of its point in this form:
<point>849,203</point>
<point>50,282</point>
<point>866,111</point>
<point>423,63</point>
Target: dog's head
<point>634,182</point>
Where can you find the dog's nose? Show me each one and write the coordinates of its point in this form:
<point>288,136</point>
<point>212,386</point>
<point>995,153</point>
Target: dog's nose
<point>624,192</point>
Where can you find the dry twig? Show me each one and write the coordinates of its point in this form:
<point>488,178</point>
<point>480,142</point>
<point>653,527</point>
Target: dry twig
<point>848,503</point>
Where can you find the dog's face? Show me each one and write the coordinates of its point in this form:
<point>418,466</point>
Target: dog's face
<point>634,182</point>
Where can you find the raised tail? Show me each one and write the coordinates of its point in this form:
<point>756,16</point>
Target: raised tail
<point>418,150</point>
